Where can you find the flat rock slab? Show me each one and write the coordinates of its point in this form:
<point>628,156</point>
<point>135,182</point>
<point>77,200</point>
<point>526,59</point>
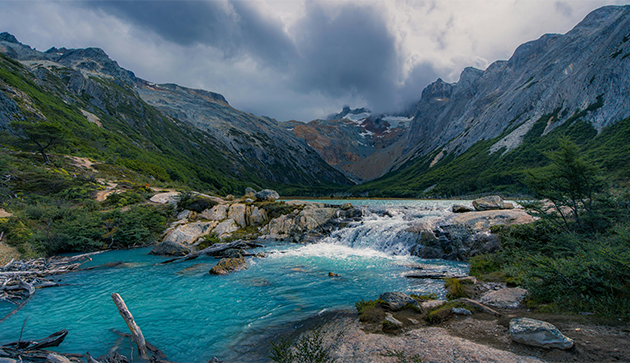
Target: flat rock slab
<point>507,298</point>
<point>486,219</point>
<point>538,333</point>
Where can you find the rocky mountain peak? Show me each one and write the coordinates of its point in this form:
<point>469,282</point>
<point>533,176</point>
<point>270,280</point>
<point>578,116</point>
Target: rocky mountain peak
<point>8,37</point>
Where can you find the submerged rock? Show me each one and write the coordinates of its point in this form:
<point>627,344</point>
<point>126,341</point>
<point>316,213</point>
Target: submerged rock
<point>398,300</point>
<point>170,248</point>
<point>538,333</point>
<point>227,265</point>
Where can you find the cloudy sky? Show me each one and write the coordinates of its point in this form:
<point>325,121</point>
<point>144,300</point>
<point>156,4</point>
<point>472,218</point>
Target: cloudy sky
<point>297,59</point>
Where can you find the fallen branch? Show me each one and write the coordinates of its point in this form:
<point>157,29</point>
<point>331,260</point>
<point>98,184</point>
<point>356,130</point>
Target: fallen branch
<point>131,324</point>
<point>478,305</point>
<point>215,248</point>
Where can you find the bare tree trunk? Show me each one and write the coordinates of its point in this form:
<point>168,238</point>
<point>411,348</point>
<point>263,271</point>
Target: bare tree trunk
<point>131,324</point>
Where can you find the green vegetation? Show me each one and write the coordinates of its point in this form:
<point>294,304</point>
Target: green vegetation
<point>443,312</point>
<point>309,348</point>
<point>577,256</point>
<point>477,171</point>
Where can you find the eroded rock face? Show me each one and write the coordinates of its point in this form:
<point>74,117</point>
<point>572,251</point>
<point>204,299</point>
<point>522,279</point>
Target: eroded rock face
<point>312,218</point>
<point>170,248</point>
<point>508,298</point>
<point>224,228</point>
<point>538,333</point>
<point>217,213</point>
<point>256,216</point>
<point>484,220</point>
<point>238,213</point>
<point>398,300</point>
<point>227,265</point>
<point>189,233</point>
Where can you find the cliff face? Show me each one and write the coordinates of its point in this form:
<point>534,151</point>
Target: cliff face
<point>585,72</point>
<point>251,147</point>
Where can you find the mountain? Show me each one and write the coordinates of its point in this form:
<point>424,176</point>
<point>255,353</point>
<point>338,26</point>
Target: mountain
<point>171,132</point>
<point>355,141</point>
<point>482,132</point>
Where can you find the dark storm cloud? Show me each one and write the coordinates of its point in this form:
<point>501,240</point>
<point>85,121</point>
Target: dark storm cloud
<point>234,28</point>
<point>344,52</point>
<point>351,51</point>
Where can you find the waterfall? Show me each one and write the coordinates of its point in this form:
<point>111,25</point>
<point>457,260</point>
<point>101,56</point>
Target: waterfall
<point>392,230</point>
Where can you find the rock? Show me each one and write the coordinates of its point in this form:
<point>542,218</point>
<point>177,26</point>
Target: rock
<point>256,216</point>
<point>461,311</point>
<point>267,194</point>
<point>237,213</point>
<point>484,242</point>
<point>217,213</point>
<point>506,298</point>
<point>165,198</point>
<point>249,200</point>
<point>332,274</point>
<point>461,209</point>
<point>508,205</point>
<point>398,300</point>
<point>7,360</point>
<point>278,228</point>
<point>393,322</point>
<point>170,248</point>
<point>233,253</point>
<point>312,218</point>
<point>480,221</point>
<point>432,304</point>
<point>538,334</point>
<point>227,265</point>
<point>488,203</point>
<point>250,192</point>
<point>305,203</point>
<point>346,206</point>
<point>225,227</point>
<point>189,233</point>
<point>468,280</point>
<point>183,215</point>
<point>229,197</point>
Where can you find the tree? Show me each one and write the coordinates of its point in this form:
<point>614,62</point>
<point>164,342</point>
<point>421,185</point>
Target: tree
<point>43,135</point>
<point>570,184</point>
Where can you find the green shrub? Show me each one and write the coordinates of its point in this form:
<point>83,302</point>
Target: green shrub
<point>309,348</point>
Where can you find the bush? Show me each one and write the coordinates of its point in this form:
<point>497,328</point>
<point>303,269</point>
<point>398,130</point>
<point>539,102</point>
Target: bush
<point>309,348</point>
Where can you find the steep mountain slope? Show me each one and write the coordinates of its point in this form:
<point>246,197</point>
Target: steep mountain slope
<point>182,134</point>
<point>355,141</point>
<point>577,83</point>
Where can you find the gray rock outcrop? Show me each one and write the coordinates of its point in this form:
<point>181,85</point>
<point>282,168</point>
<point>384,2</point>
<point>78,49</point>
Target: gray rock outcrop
<point>488,203</point>
<point>267,195</point>
<point>398,300</point>
<point>189,233</point>
<point>217,213</point>
<point>538,334</point>
<point>165,198</point>
<point>507,298</point>
<point>238,213</point>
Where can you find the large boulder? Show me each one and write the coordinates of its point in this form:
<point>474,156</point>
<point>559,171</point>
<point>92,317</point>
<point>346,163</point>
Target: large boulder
<point>165,198</point>
<point>217,213</point>
<point>267,194</point>
<point>224,228</point>
<point>189,233</point>
<point>227,265</point>
<point>170,248</point>
<point>398,300</point>
<point>256,216</point>
<point>312,218</point>
<point>250,192</point>
<point>238,213</point>
<point>538,334</point>
<point>279,228</point>
<point>488,203</point>
<point>508,298</point>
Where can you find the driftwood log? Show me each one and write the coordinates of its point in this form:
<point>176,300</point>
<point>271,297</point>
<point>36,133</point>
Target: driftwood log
<point>215,248</point>
<point>131,324</point>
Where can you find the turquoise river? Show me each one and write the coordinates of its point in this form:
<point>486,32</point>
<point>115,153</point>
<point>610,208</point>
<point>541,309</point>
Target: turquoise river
<point>193,316</point>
